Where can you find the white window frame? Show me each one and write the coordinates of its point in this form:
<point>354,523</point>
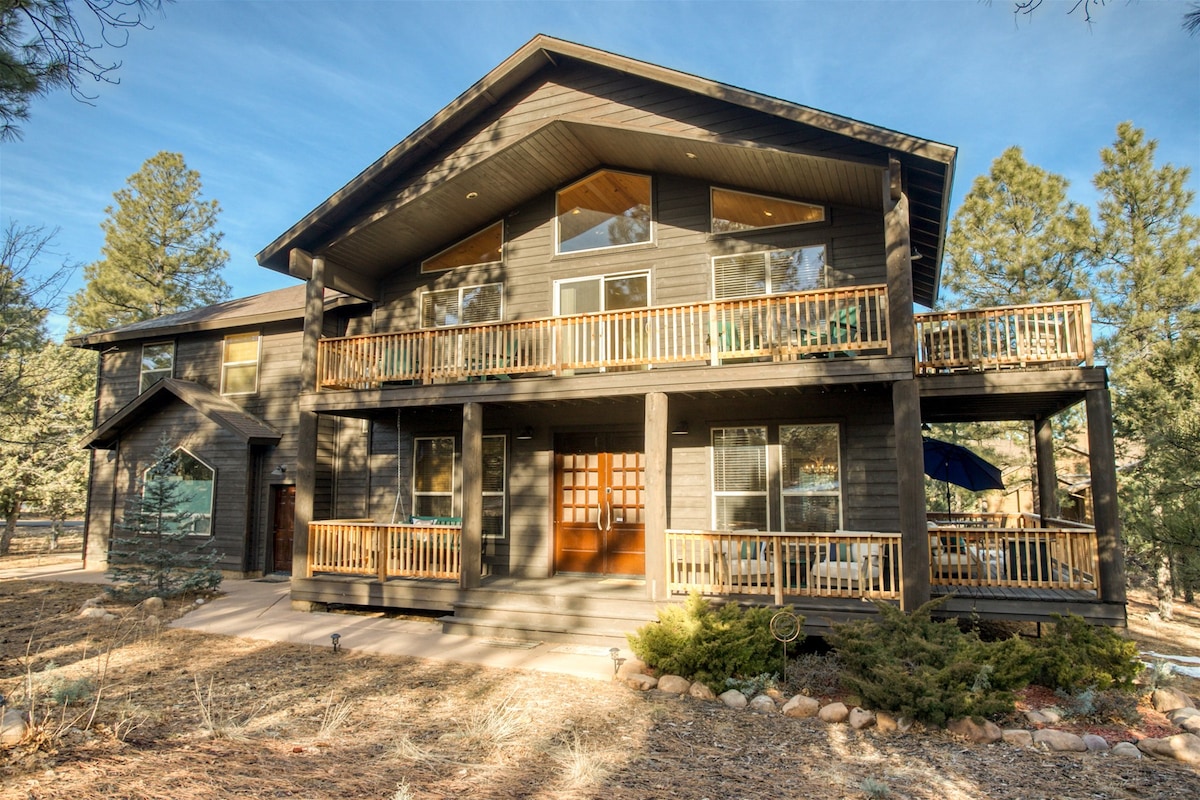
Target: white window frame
<point>143,372</point>
<point>651,234</point>
<point>712,216</point>
<point>226,364</point>
<point>785,491</point>
<point>765,256</point>
<point>603,278</point>
<point>764,493</point>
<point>461,290</point>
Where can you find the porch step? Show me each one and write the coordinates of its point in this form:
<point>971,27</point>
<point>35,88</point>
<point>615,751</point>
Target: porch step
<point>581,620</point>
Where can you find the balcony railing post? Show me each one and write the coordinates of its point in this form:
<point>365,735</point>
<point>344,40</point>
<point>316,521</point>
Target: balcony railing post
<point>382,537</point>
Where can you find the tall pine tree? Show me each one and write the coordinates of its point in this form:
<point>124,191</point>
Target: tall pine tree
<point>161,251</point>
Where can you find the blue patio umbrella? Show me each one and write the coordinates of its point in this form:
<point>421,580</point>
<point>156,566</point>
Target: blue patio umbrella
<point>953,463</point>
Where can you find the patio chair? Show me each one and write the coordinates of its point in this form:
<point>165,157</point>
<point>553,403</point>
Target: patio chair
<point>744,563</point>
<point>848,566</point>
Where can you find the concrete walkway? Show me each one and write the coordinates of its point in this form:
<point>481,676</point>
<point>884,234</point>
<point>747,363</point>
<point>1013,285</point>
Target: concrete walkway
<point>261,609</point>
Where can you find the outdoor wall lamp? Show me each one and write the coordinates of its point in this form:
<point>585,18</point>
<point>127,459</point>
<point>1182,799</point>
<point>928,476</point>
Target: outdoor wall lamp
<point>280,470</point>
<point>526,434</point>
<point>680,429</point>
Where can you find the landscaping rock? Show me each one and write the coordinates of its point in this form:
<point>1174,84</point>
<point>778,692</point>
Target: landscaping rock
<point>860,719</point>
<point>1018,737</point>
<point>885,722</point>
<point>1043,717</point>
<point>1126,750</point>
<point>14,726</point>
<point>733,698</point>
<point>673,684</point>
<point>1094,743</point>
<point>977,731</point>
<point>763,704</point>
<point>905,724</point>
<point>1191,724</point>
<point>93,612</point>
<point>93,602</point>
<point>700,691</point>
<point>152,621</point>
<point>153,605</point>
<point>1059,741</point>
<point>1183,747</point>
<point>641,682</point>
<point>1181,715</point>
<point>834,713</point>
<point>1170,699</point>
<point>631,666</point>
<point>801,707</point>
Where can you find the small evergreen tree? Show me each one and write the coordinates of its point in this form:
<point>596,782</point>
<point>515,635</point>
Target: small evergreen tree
<point>158,555</point>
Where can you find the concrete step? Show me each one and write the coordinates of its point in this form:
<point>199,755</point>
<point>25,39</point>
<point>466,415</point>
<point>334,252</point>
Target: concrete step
<point>539,618</point>
<point>517,631</point>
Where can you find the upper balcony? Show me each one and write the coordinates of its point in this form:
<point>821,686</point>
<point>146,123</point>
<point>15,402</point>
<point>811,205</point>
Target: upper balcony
<point>779,328</point>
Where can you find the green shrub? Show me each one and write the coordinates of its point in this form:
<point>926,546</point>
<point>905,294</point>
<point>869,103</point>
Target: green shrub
<point>709,645</point>
<point>1101,707</point>
<point>1074,655</point>
<point>910,664</point>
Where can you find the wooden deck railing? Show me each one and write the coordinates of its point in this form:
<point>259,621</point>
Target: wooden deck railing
<point>370,549</point>
<point>777,327</point>
<point>785,565</point>
<point>1018,558</point>
<point>1046,334</point>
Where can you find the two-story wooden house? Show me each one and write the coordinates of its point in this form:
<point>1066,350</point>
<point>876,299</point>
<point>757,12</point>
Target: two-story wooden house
<point>624,333</point>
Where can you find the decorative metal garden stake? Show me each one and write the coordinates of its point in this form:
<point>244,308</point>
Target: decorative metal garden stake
<point>785,627</point>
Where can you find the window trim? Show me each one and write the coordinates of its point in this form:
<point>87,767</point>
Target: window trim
<point>766,265</point>
<point>434,271</point>
<point>460,290</point>
<point>712,216</point>
<point>651,234</point>
<point>226,363</point>
<point>142,371</point>
<point>784,492</point>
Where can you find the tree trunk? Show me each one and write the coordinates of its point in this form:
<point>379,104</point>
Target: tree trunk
<point>10,527</point>
<point>1162,586</point>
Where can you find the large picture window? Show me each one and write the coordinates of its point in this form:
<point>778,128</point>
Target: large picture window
<point>742,211</point>
<point>239,364</point>
<point>605,209</point>
<point>195,480</point>
<point>480,249</point>
<point>770,272</point>
<point>811,478</point>
<point>433,476</point>
<point>740,479</point>
<point>158,362</point>
<point>465,305</point>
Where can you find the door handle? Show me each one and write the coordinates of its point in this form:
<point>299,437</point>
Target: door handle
<point>599,516</point>
<point>610,517</point>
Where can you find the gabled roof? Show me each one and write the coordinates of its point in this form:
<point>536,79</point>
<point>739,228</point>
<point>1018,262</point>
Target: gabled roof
<point>376,221</point>
<point>250,429</point>
<point>260,309</point>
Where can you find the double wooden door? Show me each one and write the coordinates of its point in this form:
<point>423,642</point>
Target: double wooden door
<point>600,513</point>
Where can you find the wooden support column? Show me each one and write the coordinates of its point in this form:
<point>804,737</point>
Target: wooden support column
<point>656,431</point>
<point>306,433</point>
<point>472,493</point>
<point>1047,472</point>
<point>1103,461</point>
<point>902,333</point>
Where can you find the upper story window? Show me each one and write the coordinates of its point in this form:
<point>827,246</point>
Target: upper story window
<point>769,272</point>
<point>465,305</point>
<point>605,209</point>
<point>158,362</point>
<point>741,211</point>
<point>239,364</point>
<point>188,482</point>
<point>484,248</point>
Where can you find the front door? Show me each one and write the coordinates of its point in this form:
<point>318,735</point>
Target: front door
<point>600,525</point>
<point>283,519</point>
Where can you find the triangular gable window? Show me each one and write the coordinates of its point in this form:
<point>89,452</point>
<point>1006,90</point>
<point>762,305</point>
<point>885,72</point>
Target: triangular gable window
<point>480,249</point>
<point>741,211</point>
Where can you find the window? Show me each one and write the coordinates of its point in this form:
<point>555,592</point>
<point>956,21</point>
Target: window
<point>605,209</point>
<point>494,483</point>
<point>742,211</point>
<point>740,479</point>
<point>463,306</point>
<point>239,366</point>
<point>602,293</point>
<point>158,362</point>
<point>810,477</point>
<point>769,272</point>
<point>480,249</point>
<point>195,480</point>
<point>433,476</point>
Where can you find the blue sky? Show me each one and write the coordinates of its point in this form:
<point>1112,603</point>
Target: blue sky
<point>279,103</point>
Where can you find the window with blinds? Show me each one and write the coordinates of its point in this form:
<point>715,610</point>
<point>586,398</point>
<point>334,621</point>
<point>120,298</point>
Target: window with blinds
<point>770,272</point>
<point>494,486</point>
<point>810,477</point>
<point>740,478</point>
<point>466,305</point>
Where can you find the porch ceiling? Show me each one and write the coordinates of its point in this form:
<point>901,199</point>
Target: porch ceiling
<point>1003,396</point>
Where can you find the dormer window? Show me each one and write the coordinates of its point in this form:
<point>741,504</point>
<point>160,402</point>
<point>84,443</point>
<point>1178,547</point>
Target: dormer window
<point>742,211</point>
<point>605,209</point>
<point>485,248</point>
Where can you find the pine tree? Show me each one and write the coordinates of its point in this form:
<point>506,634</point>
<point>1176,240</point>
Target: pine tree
<point>1017,239</point>
<point>158,554</point>
<point>161,251</point>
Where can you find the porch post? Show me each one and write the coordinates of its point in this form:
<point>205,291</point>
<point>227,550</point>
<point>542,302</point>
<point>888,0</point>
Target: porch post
<point>906,394</point>
<point>472,494</point>
<point>1047,472</point>
<point>1102,459</point>
<point>306,433</point>
<point>656,495</point>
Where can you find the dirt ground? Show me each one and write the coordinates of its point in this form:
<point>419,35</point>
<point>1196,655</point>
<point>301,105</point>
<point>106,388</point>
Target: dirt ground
<point>128,709</point>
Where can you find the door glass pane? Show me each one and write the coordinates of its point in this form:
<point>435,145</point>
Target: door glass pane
<point>579,297</point>
<point>626,291</point>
